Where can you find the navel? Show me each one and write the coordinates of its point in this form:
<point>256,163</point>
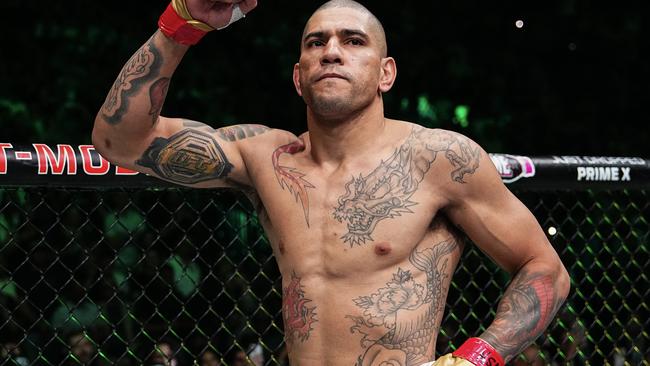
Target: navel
<point>281,247</point>
<point>382,249</point>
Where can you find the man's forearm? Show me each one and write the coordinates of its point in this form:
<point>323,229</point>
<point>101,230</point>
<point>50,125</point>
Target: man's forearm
<point>529,304</point>
<point>134,102</point>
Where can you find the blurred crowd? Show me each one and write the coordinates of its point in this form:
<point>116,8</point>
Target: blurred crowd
<point>81,349</point>
<point>570,345</point>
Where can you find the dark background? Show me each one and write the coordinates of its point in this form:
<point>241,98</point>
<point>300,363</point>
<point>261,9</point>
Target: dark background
<point>573,80</point>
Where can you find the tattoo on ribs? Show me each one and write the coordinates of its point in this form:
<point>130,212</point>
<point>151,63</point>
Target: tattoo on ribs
<point>400,320</point>
<point>526,309</point>
<point>386,192</point>
<point>291,178</point>
<point>240,132</point>
<point>298,316</point>
<point>188,157</point>
<point>157,94</point>
<point>141,68</point>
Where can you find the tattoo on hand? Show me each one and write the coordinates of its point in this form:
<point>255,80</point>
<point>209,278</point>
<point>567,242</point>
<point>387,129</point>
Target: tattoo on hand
<point>188,157</point>
<point>298,316</point>
<point>291,178</point>
<point>386,192</point>
<point>143,67</point>
<point>400,320</point>
<point>157,94</point>
<point>527,308</point>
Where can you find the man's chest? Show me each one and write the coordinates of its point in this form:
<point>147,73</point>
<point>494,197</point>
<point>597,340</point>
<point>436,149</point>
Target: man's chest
<point>367,209</point>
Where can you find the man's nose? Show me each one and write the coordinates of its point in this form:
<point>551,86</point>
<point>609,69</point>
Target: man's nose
<point>332,53</point>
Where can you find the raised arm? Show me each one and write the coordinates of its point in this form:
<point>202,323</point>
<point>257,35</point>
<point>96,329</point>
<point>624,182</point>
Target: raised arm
<point>129,130</point>
<point>504,229</point>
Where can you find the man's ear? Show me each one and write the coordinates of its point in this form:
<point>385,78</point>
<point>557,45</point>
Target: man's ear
<point>296,78</point>
<point>388,74</point>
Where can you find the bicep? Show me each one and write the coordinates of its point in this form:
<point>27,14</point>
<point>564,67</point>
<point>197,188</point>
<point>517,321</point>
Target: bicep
<point>187,153</point>
<point>496,220</point>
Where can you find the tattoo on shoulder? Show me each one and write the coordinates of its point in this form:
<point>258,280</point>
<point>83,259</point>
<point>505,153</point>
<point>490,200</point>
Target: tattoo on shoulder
<point>386,192</point>
<point>291,178</point>
<point>298,314</point>
<point>188,157</point>
<point>400,320</point>
<point>463,155</point>
<point>142,67</point>
<point>240,132</point>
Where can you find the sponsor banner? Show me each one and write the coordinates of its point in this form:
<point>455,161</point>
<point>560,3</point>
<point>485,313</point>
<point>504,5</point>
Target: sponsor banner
<point>573,172</point>
<point>513,167</point>
<point>65,166</point>
<point>82,167</point>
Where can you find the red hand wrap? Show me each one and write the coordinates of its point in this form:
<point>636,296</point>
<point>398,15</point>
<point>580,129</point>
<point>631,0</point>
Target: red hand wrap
<point>479,352</point>
<point>177,28</point>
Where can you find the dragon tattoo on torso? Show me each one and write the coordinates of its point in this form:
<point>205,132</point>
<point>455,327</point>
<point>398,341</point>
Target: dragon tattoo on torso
<point>386,192</point>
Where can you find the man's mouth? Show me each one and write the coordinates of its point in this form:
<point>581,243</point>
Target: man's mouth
<point>331,76</point>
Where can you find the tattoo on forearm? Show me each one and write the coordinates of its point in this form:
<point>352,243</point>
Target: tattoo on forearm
<point>526,309</point>
<point>400,320</point>
<point>188,157</point>
<point>240,132</point>
<point>157,94</point>
<point>299,317</point>
<point>291,178</point>
<point>386,192</point>
<point>143,67</point>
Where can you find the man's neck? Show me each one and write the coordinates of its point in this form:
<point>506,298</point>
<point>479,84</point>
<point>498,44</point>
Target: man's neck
<point>334,141</point>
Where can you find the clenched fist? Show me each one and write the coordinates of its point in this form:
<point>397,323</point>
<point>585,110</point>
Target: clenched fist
<point>218,14</point>
<point>187,21</point>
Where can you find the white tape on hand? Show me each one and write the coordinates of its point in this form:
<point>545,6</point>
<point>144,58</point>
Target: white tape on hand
<point>236,15</point>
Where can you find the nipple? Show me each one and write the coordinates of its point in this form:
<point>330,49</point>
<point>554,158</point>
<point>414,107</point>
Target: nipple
<point>382,249</point>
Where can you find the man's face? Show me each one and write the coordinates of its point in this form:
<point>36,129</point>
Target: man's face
<point>240,359</point>
<point>209,359</point>
<point>82,348</point>
<point>340,67</point>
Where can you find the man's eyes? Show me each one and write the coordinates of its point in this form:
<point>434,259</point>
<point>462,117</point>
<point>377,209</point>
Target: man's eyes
<point>321,43</point>
<point>356,42</point>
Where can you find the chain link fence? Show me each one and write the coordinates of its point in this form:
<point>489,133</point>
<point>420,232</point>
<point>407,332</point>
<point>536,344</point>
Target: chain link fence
<point>104,277</point>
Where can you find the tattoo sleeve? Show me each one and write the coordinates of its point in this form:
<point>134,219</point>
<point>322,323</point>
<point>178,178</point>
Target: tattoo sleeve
<point>157,94</point>
<point>142,68</point>
<point>526,309</point>
<point>188,157</point>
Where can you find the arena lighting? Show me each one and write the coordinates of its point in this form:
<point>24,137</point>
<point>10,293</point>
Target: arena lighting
<point>519,23</point>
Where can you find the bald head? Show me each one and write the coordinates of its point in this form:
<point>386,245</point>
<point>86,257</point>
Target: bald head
<point>375,27</point>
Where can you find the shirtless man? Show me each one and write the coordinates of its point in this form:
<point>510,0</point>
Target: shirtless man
<point>357,208</point>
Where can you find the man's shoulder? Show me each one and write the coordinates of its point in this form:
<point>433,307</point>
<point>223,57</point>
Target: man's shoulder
<point>263,135</point>
<point>438,137</point>
<point>446,151</point>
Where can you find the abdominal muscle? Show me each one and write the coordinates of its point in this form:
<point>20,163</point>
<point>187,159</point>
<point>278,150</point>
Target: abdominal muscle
<point>384,317</point>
